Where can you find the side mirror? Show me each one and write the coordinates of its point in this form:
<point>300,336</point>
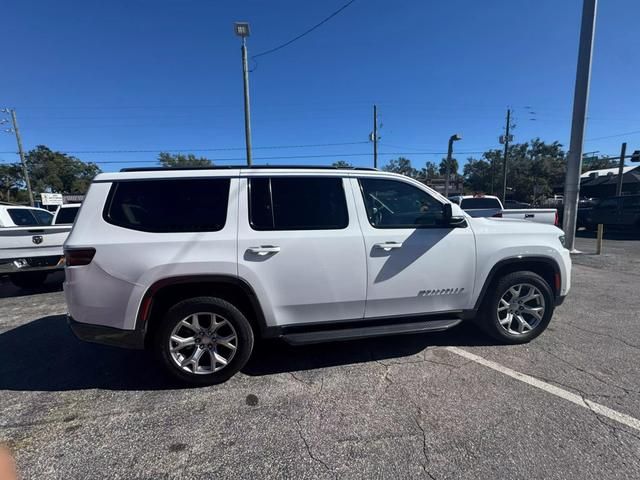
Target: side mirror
<point>447,213</point>
<point>449,220</point>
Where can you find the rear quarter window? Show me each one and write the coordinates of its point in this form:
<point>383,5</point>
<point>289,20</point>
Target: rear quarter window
<point>171,205</point>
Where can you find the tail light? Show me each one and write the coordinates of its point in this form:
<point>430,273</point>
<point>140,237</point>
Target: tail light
<point>75,257</point>
<point>555,222</point>
<point>497,215</point>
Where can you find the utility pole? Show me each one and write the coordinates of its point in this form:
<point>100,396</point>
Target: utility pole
<point>506,156</point>
<point>25,171</point>
<point>623,152</point>
<point>242,30</point>
<point>580,100</point>
<point>375,136</point>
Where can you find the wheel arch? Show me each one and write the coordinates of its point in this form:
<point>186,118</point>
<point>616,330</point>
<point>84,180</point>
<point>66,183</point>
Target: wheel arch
<point>546,267</point>
<point>166,292</point>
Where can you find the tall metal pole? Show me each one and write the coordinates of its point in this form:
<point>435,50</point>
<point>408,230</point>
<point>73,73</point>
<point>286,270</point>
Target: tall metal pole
<point>25,171</point>
<point>448,166</point>
<point>580,100</point>
<point>623,152</point>
<point>375,136</point>
<point>506,157</point>
<point>247,108</point>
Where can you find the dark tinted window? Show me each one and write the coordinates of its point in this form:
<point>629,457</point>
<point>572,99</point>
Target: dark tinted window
<point>609,203</point>
<point>480,202</point>
<point>628,202</point>
<point>44,218</point>
<point>190,205</point>
<point>66,215</point>
<point>26,217</point>
<point>395,204</point>
<point>297,203</point>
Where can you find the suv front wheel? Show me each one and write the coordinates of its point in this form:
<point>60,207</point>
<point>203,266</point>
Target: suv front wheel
<point>518,308</point>
<point>204,340</point>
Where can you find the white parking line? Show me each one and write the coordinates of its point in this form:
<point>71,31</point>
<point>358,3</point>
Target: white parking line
<point>627,420</point>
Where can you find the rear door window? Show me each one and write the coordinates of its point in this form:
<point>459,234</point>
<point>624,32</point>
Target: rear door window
<point>479,203</point>
<point>172,205</point>
<point>297,203</point>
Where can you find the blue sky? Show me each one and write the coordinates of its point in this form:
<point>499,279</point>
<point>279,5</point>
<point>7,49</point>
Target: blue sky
<point>93,75</point>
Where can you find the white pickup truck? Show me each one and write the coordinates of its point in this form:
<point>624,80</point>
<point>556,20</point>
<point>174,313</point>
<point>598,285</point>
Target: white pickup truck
<point>30,247</point>
<point>490,206</point>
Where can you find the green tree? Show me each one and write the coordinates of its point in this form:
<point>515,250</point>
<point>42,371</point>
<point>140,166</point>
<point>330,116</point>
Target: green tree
<point>178,160</point>
<point>429,171</point>
<point>533,170</point>
<point>598,163</point>
<point>341,164</point>
<point>402,166</point>
<point>442,168</point>
<point>12,183</point>
<point>51,171</point>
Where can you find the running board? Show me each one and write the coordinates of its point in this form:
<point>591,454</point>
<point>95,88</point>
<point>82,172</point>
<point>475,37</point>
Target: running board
<point>337,335</point>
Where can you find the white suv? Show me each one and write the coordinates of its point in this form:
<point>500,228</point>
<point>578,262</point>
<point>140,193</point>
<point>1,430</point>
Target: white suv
<point>196,264</point>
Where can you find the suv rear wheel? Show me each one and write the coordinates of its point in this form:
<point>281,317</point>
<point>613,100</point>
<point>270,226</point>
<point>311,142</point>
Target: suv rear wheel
<point>204,340</point>
<point>518,308</point>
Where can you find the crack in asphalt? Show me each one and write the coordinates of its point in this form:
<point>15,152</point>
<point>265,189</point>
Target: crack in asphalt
<point>310,452</point>
<point>424,445</point>
<point>591,374</point>
<point>629,344</point>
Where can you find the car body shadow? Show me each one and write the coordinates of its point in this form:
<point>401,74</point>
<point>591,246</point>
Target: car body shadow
<point>60,362</point>
<point>53,284</point>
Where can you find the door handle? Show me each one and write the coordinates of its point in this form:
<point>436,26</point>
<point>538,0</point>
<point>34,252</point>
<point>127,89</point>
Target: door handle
<point>264,249</point>
<point>388,246</point>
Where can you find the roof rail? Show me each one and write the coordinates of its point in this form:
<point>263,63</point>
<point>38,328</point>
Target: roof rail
<point>252,167</point>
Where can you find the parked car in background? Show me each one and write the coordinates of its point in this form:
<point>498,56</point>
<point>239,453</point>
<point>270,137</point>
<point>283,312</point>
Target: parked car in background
<point>197,264</point>
<point>30,247</point>
<point>490,206</point>
<point>21,216</point>
<point>621,212</point>
<point>66,214</point>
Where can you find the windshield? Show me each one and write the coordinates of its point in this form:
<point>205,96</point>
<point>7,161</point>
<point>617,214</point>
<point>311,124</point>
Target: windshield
<point>481,202</point>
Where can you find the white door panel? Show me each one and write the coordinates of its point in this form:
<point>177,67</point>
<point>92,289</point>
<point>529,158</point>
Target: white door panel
<point>415,270</point>
<point>304,276</point>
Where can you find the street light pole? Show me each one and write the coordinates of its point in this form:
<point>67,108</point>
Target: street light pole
<point>506,157</point>
<point>452,138</point>
<point>580,99</point>
<point>242,30</point>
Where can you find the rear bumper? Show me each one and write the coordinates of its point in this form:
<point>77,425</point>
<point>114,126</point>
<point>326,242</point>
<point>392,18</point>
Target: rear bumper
<point>31,264</point>
<point>107,335</point>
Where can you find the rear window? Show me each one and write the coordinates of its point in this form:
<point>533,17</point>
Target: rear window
<point>26,217</point>
<point>297,203</point>
<point>67,215</point>
<point>173,205</point>
<point>480,202</point>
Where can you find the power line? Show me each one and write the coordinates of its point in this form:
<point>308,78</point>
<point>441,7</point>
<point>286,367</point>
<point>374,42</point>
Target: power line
<point>224,149</point>
<point>278,157</point>
<point>275,49</point>
<point>613,136</point>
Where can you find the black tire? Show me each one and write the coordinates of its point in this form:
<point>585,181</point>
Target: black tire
<point>28,280</point>
<point>489,321</point>
<point>205,305</point>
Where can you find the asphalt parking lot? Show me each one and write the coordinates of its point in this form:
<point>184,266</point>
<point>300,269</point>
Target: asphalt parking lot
<point>450,405</point>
